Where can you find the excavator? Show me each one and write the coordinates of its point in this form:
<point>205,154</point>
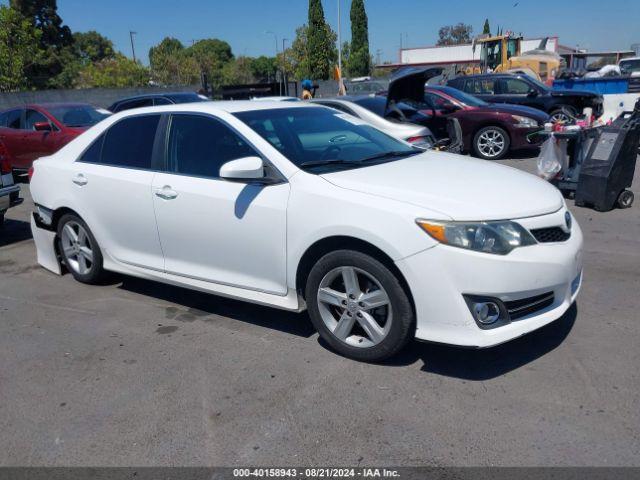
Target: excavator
<point>502,53</point>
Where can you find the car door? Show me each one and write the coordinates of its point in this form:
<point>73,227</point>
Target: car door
<point>11,137</point>
<point>112,189</point>
<point>215,230</point>
<point>515,91</point>
<point>38,143</point>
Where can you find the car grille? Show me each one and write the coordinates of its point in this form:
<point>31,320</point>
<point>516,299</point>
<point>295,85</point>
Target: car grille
<point>527,306</point>
<point>551,234</point>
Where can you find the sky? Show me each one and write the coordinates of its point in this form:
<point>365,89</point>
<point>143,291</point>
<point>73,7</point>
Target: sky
<point>591,24</point>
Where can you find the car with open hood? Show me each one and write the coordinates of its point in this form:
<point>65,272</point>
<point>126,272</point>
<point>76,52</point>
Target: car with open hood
<point>297,206</point>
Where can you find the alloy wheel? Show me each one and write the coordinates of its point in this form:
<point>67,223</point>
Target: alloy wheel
<point>491,143</point>
<point>561,117</point>
<point>354,307</point>
<point>77,248</point>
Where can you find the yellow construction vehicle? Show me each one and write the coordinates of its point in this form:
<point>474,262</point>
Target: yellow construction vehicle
<point>502,53</point>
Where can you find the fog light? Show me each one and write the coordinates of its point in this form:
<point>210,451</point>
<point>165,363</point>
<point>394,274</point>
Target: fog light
<point>486,312</point>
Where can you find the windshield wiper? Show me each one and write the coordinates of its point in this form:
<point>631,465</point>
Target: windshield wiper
<point>331,161</point>
<point>393,154</point>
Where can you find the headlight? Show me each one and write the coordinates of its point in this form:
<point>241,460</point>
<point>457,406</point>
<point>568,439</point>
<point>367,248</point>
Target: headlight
<point>489,237</point>
<point>524,122</point>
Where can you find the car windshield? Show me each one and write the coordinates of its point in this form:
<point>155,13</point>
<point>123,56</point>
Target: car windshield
<point>378,105</point>
<point>321,140</point>
<point>78,115</point>
<point>629,66</point>
<point>462,97</point>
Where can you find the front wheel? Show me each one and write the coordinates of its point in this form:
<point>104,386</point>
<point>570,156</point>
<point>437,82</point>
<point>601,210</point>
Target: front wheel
<point>491,143</point>
<point>563,114</point>
<point>80,250</point>
<point>625,199</point>
<point>359,306</point>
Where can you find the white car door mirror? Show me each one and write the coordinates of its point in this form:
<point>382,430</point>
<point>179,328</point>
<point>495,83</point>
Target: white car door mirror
<point>247,168</point>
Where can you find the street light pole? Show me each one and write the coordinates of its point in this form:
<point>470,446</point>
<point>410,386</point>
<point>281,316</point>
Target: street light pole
<point>340,84</point>
<point>133,49</point>
<point>276,39</point>
<point>284,68</point>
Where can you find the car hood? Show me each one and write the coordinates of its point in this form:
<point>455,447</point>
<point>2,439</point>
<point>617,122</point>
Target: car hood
<point>408,83</point>
<point>534,113</point>
<point>458,187</point>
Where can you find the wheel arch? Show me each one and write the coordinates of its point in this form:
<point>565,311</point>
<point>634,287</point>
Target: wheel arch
<point>344,242</point>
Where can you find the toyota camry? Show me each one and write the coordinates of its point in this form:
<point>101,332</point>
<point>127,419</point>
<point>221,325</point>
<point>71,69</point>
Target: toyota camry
<point>299,206</point>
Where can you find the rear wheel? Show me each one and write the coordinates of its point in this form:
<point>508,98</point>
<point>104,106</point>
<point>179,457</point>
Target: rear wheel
<point>358,306</point>
<point>491,143</point>
<point>625,199</point>
<point>80,250</point>
<point>563,114</point>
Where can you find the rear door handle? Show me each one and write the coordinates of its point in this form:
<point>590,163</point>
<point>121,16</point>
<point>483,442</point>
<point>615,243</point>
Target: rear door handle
<point>80,179</point>
<point>166,193</point>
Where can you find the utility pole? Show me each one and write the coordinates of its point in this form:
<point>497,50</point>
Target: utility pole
<point>340,84</point>
<point>133,49</point>
<point>284,68</point>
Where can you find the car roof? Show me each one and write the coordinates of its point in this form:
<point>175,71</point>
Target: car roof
<point>492,75</point>
<point>156,94</point>
<point>229,106</point>
<point>46,105</point>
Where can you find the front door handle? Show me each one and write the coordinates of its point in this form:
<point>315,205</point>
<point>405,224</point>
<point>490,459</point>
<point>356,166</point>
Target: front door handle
<point>80,179</point>
<point>166,193</point>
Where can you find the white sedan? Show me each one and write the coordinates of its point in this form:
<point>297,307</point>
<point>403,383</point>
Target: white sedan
<point>298,206</point>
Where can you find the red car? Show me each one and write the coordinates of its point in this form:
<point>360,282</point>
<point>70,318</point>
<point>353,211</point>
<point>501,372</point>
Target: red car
<point>34,131</point>
<point>490,131</point>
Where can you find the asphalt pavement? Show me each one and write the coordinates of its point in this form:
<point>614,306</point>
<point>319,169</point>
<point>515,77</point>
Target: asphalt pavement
<point>140,373</point>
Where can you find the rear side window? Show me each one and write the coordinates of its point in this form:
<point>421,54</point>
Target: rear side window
<point>200,145</point>
<point>11,119</point>
<point>142,102</point>
<point>128,143</point>
<point>480,86</point>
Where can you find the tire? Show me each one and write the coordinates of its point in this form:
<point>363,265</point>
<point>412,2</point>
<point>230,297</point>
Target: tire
<point>625,199</point>
<point>85,268</point>
<point>375,322</point>
<point>491,143</point>
<point>559,114</point>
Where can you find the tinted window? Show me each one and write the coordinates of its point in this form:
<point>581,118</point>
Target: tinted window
<point>12,119</point>
<point>94,152</point>
<point>463,97</point>
<point>438,102</point>
<point>161,101</point>
<point>32,118</point>
<point>373,104</point>
<point>482,86</point>
<point>129,143</point>
<point>78,115</point>
<point>513,86</point>
<point>187,98</point>
<point>321,135</point>
<point>200,145</point>
<point>338,106</point>
<point>139,103</point>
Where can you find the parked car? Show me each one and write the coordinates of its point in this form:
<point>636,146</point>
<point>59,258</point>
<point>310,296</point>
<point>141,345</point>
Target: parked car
<point>630,66</point>
<point>277,98</point>
<point>33,131</point>
<point>9,192</point>
<point>561,105</point>
<point>155,99</point>
<point>417,135</point>
<point>489,131</point>
<point>295,205</point>
<point>365,86</point>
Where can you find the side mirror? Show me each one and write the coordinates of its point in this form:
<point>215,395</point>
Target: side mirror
<point>42,127</point>
<point>242,169</point>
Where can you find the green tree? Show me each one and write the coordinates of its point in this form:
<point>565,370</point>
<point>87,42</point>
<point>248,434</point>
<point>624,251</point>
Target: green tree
<point>117,72</point>
<point>91,47</point>
<point>486,30</point>
<point>320,44</point>
<point>264,68</point>
<point>237,71</point>
<point>454,34</point>
<point>360,58</point>
<point>19,49</point>
<point>55,37</point>
<point>211,55</point>
<point>172,65</point>
<point>346,57</point>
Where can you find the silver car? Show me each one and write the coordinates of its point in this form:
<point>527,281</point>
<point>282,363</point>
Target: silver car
<point>415,134</point>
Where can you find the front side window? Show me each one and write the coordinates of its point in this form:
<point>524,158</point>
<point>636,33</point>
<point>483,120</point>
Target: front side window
<point>32,117</point>
<point>129,142</point>
<point>78,115</point>
<point>321,139</point>
<point>199,145</point>
<point>513,86</point>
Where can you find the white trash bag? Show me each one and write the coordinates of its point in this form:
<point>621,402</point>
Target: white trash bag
<point>549,163</point>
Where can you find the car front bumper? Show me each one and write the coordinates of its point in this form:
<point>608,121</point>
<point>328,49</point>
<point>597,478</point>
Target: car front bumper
<point>9,197</point>
<point>440,276</point>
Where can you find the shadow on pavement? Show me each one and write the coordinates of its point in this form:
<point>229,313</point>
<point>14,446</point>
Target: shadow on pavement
<point>197,305</point>
<point>485,364</point>
<point>14,231</point>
